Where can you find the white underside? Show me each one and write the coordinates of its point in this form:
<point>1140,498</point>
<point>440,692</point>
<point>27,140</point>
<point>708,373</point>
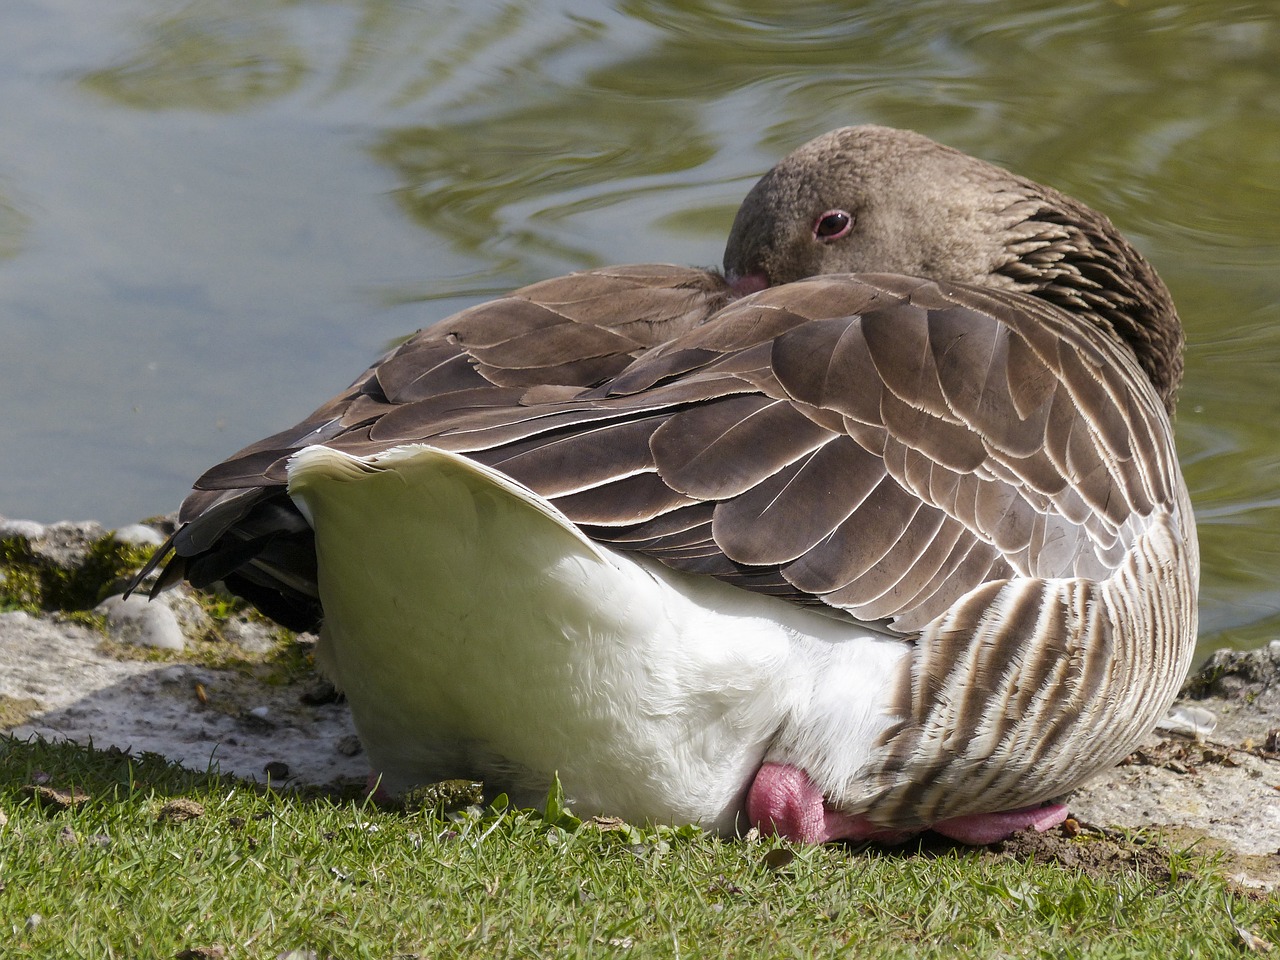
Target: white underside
<point>477,633</point>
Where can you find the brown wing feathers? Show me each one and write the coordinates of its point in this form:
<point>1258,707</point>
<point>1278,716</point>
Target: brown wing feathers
<point>878,442</point>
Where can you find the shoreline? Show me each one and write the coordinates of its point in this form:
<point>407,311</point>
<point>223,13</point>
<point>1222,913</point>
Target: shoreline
<point>203,681</point>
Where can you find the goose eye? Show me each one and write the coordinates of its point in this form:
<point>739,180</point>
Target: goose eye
<point>832,225</point>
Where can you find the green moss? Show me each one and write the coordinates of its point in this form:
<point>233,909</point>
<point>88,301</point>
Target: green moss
<point>221,607</point>
<point>285,662</point>
<point>288,662</point>
<point>21,587</point>
<point>29,581</point>
<point>86,618</point>
<point>32,581</point>
<point>1203,683</point>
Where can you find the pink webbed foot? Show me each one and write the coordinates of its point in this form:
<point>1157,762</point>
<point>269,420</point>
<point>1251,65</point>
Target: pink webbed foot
<point>979,828</point>
<point>373,788</point>
<point>784,801</point>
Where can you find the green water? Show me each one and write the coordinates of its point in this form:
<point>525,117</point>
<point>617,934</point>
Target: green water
<point>214,212</point>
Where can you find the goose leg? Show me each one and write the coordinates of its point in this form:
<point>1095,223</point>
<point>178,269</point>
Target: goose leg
<point>373,788</point>
<point>784,801</point>
<point>980,828</point>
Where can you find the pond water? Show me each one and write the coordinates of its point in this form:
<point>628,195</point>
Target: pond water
<point>213,213</point>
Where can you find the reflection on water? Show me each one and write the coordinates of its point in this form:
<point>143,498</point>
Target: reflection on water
<point>13,224</point>
<point>216,55</point>
<point>470,181</point>
<point>275,188</point>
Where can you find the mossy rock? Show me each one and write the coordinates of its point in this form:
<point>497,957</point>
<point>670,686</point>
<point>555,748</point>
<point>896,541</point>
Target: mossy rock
<point>1235,674</point>
<point>75,577</point>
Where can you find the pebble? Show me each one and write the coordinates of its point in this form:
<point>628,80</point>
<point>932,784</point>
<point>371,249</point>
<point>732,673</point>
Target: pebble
<point>137,621</point>
<point>349,746</point>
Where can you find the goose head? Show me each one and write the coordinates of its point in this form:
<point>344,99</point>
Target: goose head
<point>872,199</point>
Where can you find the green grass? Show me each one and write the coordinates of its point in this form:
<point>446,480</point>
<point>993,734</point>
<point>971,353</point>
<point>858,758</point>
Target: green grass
<point>265,874</point>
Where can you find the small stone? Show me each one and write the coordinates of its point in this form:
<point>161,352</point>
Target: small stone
<point>137,621</point>
<point>33,921</point>
<point>67,837</point>
<point>350,745</point>
<point>276,770</point>
<point>180,810</point>
<point>256,720</point>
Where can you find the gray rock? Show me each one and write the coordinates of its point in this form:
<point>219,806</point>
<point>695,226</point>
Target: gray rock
<point>65,544</point>
<point>29,529</point>
<point>139,535</point>
<point>187,712</point>
<point>137,621</point>
<point>249,634</point>
<point>1233,674</point>
<point>193,620</point>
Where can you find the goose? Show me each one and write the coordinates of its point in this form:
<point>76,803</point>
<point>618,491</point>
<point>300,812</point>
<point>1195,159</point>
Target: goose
<point>881,530</point>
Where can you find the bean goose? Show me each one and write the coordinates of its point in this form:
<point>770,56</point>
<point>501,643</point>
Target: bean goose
<point>881,530</point>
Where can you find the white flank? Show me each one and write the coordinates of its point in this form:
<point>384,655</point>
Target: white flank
<point>477,632</point>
